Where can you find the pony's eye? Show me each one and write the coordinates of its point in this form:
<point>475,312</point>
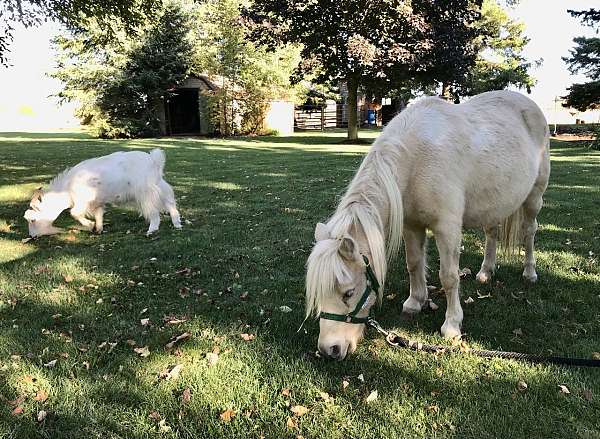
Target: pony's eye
<point>348,294</point>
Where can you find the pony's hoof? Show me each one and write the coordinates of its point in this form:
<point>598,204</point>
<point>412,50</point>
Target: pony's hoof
<point>530,277</point>
<point>450,330</point>
<point>483,277</point>
<point>412,307</point>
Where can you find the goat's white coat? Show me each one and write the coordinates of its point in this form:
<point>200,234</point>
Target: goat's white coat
<point>436,166</point>
<point>118,178</point>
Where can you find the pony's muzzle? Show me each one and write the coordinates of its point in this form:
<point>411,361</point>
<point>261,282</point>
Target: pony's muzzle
<point>334,351</point>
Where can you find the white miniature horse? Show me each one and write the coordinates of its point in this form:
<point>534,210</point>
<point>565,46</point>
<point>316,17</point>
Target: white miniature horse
<point>118,178</point>
<point>438,166</point>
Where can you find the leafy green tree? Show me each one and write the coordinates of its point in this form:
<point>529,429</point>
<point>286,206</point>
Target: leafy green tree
<point>362,44</point>
<point>585,58</point>
<point>500,60</point>
<point>122,86</point>
<point>75,14</point>
<point>248,76</point>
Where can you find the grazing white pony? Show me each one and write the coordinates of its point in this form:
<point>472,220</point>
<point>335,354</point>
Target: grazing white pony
<point>118,178</point>
<point>438,166</point>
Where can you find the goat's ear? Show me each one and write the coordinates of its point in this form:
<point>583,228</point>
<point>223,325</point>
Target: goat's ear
<point>321,232</point>
<point>347,249</point>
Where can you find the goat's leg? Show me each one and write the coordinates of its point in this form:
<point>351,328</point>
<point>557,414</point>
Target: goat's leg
<point>99,217</point>
<point>167,197</point>
<point>78,212</point>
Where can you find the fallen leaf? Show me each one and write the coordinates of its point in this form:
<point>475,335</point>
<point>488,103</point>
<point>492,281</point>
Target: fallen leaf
<point>227,415</point>
<point>17,401</point>
<point>432,305</point>
<point>154,415</point>
<point>325,396</point>
<point>41,415</point>
<point>186,396</point>
<point>469,300</point>
<point>17,410</point>
<point>372,396</point>
<point>68,278</point>
<point>163,427</point>
<point>564,389</point>
<point>212,358</point>
<point>299,410</point>
<point>522,385</point>
<point>143,352</point>
<point>26,240</point>
<point>518,332</point>
<point>51,363</point>
<point>291,423</point>
<point>247,337</point>
<point>177,339</point>
<point>587,394</point>
<point>143,311</point>
<point>465,272</point>
<point>285,391</point>
<point>144,322</point>
<point>173,374</point>
<point>41,395</point>
<point>596,355</point>
<point>361,378</point>
<point>345,384</point>
<point>285,309</point>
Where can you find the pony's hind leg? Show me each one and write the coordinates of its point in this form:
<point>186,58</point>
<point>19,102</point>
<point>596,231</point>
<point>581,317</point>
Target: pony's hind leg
<point>414,243</point>
<point>448,240</point>
<point>531,208</point>
<point>99,217</point>
<point>167,197</point>
<point>489,259</point>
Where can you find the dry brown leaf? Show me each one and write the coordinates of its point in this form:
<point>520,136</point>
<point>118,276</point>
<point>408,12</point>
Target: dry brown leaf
<point>143,352</point>
<point>518,332</point>
<point>177,339</point>
<point>596,355</point>
<point>564,389</point>
<point>227,415</point>
<point>41,415</point>
<point>372,396</point>
<point>299,410</point>
<point>173,374</point>
<point>17,410</point>
<point>68,278</point>
<point>51,363</point>
<point>345,383</point>
<point>41,395</point>
<point>212,358</point>
<point>522,385</point>
<point>247,337</point>
<point>285,392</point>
<point>291,423</point>
<point>20,400</point>
<point>145,322</point>
<point>325,396</point>
<point>186,396</point>
<point>469,300</point>
<point>587,394</point>
<point>361,378</point>
<point>154,415</point>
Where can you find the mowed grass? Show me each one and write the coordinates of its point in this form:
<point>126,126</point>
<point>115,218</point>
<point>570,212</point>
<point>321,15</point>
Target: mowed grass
<point>250,206</point>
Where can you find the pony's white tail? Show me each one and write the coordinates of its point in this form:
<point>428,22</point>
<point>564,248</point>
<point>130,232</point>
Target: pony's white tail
<point>158,157</point>
<point>511,235</point>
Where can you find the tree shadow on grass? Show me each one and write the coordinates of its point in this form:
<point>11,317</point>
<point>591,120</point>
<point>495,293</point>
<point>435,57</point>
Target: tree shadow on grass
<point>242,240</point>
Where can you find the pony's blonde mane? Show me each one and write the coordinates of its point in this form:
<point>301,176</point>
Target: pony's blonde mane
<point>57,182</point>
<point>372,204</point>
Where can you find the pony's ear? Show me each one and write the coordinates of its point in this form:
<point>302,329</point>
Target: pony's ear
<point>347,249</point>
<point>321,232</point>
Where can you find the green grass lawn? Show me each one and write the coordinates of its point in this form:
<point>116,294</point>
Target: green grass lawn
<point>73,308</point>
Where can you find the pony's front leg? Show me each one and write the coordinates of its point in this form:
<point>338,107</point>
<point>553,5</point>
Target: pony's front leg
<point>489,260</point>
<point>414,243</point>
<point>78,212</point>
<point>448,243</point>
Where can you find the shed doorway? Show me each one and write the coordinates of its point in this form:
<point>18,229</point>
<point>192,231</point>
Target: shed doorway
<point>184,117</point>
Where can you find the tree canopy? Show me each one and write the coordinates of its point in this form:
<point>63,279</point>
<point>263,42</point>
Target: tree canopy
<point>387,41</point>
<point>500,60</point>
<point>585,58</point>
<point>75,14</point>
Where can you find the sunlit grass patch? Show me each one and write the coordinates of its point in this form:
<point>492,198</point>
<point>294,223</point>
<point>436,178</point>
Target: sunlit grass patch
<point>79,311</point>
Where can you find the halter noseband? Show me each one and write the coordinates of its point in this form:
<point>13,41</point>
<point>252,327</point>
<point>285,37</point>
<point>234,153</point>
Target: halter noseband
<point>372,287</point>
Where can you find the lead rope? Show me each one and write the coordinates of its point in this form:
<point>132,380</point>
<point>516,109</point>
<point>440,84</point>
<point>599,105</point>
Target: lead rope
<point>397,341</point>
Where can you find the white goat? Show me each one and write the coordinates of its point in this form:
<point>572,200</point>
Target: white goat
<point>118,178</point>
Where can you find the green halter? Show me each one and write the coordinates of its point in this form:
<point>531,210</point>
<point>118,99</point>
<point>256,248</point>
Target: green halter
<point>372,287</point>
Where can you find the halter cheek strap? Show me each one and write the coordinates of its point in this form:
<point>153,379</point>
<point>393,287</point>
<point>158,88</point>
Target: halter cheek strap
<point>372,287</point>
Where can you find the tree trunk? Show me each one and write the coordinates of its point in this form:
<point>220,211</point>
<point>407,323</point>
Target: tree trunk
<point>446,91</point>
<point>351,107</point>
<point>162,119</point>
